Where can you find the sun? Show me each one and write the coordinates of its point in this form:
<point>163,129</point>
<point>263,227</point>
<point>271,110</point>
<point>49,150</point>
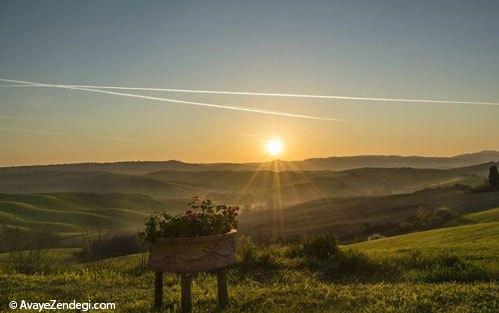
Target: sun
<point>274,146</point>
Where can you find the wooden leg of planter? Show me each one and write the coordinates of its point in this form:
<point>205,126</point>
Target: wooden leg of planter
<point>223,296</point>
<point>158,290</point>
<point>186,282</point>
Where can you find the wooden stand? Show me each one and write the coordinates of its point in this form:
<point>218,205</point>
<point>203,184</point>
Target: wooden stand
<point>186,290</point>
<point>223,296</point>
<point>186,293</point>
<point>158,290</point>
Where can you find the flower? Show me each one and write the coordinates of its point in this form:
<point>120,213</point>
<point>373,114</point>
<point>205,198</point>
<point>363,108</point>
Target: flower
<point>200,219</point>
<point>191,215</point>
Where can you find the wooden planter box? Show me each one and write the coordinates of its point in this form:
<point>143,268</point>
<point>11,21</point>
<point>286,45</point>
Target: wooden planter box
<point>189,255</point>
<point>193,254</point>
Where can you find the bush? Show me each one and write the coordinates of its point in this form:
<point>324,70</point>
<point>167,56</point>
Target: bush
<point>249,256</point>
<point>100,246</point>
<point>320,247</point>
<point>27,253</point>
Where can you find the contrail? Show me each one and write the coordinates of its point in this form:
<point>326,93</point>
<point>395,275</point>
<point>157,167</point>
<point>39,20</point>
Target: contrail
<point>268,94</point>
<point>43,132</point>
<point>15,118</point>
<point>203,104</point>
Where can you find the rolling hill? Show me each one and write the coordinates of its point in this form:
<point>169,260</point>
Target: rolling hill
<point>255,188</point>
<point>71,213</point>
<point>344,216</point>
<point>56,181</point>
<point>312,164</point>
<point>478,241</point>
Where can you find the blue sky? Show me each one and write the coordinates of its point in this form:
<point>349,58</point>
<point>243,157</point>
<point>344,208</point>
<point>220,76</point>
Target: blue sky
<point>404,49</point>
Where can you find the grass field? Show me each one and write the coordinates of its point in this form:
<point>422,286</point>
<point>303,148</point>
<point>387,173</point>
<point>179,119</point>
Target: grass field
<point>477,217</point>
<point>479,241</point>
<point>288,291</point>
<point>450,269</point>
<point>70,213</point>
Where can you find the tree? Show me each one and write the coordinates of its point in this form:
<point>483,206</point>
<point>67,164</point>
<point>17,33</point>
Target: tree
<point>494,176</point>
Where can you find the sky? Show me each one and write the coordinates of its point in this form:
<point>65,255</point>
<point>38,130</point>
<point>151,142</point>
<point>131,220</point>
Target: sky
<point>442,50</point>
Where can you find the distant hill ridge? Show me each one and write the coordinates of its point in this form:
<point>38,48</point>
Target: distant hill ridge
<point>330,163</point>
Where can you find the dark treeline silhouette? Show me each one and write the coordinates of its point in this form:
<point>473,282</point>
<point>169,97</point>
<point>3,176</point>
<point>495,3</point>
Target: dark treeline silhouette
<point>493,176</point>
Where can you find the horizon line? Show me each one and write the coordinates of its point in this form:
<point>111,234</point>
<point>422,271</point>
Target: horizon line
<point>254,162</point>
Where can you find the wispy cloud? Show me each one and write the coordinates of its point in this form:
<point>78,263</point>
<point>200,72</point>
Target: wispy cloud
<point>44,132</point>
<point>258,137</point>
<point>270,94</point>
<point>201,104</point>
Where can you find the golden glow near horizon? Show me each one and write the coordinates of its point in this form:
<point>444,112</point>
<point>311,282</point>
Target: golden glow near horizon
<point>274,146</point>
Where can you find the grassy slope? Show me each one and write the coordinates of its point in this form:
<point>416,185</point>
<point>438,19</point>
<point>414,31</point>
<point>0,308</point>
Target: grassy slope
<point>477,217</point>
<point>474,235</point>
<point>286,290</point>
<point>343,215</point>
<point>70,213</point>
<point>483,216</point>
<point>476,240</point>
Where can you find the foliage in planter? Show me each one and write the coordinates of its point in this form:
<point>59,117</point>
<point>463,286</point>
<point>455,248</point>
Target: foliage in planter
<point>203,218</point>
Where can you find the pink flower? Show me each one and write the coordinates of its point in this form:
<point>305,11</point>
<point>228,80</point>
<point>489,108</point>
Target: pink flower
<point>191,215</point>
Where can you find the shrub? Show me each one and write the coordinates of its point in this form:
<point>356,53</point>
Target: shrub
<point>27,253</point>
<point>353,262</point>
<point>246,251</point>
<point>100,246</point>
<point>201,219</point>
<point>250,256</point>
<point>320,247</point>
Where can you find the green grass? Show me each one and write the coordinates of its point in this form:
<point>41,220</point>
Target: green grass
<point>70,213</point>
<point>491,215</point>
<point>289,291</point>
<point>484,216</point>
<point>476,241</point>
<point>443,270</point>
<point>287,287</point>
